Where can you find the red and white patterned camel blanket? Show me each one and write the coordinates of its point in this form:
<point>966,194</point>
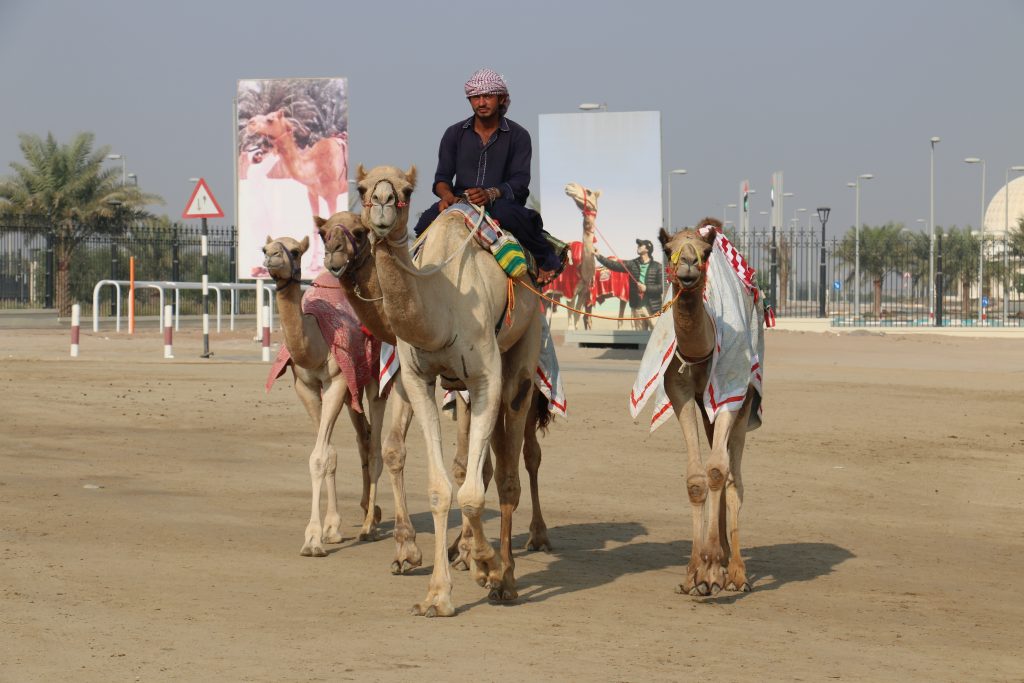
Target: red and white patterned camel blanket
<point>355,349</point>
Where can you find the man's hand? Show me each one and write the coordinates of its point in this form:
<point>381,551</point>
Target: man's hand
<point>477,195</point>
<point>642,288</point>
<point>446,201</point>
<point>544,276</point>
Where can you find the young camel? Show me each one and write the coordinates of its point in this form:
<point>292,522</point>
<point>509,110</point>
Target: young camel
<point>347,255</point>
<point>445,316</point>
<point>323,390</point>
<point>715,487</point>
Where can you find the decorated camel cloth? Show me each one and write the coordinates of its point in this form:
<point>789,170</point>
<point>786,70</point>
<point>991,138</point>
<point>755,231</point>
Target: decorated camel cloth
<point>732,301</point>
<point>607,283</point>
<point>354,348</point>
<point>515,260</point>
<point>547,378</point>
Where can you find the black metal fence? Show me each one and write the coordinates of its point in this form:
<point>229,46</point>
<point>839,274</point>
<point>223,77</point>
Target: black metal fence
<point>976,281</point>
<point>28,264</point>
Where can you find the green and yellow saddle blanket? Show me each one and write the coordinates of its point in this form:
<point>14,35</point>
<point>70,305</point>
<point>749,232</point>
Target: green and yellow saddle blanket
<point>508,252</point>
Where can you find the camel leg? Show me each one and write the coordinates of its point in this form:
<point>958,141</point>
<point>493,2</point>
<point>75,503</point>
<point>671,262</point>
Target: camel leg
<point>736,576</point>
<point>711,569</point>
<point>622,313</point>
<point>680,392</point>
<point>438,601</point>
<point>485,395</point>
<point>531,455</point>
<point>323,464</point>
<point>458,551</point>
<point>372,465</point>
<point>407,553</point>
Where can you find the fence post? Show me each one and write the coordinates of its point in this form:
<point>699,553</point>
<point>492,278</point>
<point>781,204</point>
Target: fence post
<point>938,281</point>
<point>233,271</point>
<point>773,269</point>
<point>48,301</point>
<point>175,261</point>
<point>113,272</point>
<point>822,272</point>
<point>1006,279</point>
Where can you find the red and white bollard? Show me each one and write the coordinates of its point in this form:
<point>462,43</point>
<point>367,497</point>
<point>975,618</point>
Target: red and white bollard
<point>266,334</point>
<point>168,332</point>
<point>76,312</point>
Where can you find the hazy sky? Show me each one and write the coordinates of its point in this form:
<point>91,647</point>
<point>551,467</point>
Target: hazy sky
<point>820,90</point>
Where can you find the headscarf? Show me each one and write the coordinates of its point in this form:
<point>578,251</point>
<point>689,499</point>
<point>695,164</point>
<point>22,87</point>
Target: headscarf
<point>488,82</point>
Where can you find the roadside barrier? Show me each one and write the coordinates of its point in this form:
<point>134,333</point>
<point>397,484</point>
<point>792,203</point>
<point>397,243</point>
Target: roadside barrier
<point>168,332</point>
<point>76,314</point>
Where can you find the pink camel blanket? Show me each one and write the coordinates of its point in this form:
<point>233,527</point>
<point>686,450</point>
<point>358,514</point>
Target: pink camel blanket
<point>355,349</point>
<point>733,302</point>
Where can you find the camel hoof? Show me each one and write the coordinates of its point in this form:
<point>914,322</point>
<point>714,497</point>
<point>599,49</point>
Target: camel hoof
<point>460,565</point>
<point>701,589</point>
<point>715,589</point>
<point>431,611</point>
<point>502,595</point>
<point>369,536</point>
<point>332,537</point>
<point>313,551</point>
<point>538,545</point>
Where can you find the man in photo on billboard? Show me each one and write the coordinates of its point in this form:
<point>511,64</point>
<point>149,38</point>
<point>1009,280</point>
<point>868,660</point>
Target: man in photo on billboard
<point>645,282</point>
<point>486,159</point>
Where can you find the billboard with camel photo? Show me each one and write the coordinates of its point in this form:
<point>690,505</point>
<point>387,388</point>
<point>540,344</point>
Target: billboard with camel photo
<point>292,156</point>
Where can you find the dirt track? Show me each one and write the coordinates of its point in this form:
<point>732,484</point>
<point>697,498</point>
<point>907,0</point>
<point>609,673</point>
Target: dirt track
<point>882,526</point>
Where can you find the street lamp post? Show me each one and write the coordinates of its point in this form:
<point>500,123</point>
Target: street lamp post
<point>796,219</point>
<point>931,228</point>
<point>116,157</point>
<point>823,212</point>
<point>593,106</point>
<point>981,237</point>
<point>856,243</point>
<point>1006,236</point>
<point>678,171</point>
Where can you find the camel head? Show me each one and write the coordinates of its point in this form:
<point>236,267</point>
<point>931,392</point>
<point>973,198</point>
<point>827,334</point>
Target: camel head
<point>586,200</point>
<point>687,252</point>
<point>273,125</point>
<point>282,257</point>
<point>346,241</point>
<point>385,192</point>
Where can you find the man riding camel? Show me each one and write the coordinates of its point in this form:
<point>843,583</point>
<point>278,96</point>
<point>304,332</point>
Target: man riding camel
<point>486,160</point>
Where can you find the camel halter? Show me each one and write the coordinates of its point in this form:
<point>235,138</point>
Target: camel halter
<point>369,203</point>
<point>431,270</point>
<point>702,265</point>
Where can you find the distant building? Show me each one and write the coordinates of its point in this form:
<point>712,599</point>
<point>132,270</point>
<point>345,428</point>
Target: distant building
<point>995,215</point>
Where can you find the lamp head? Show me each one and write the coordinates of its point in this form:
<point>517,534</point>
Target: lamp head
<point>823,212</point>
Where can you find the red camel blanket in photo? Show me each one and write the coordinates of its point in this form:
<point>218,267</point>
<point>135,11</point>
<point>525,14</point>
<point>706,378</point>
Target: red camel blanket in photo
<point>355,349</point>
<point>606,283</point>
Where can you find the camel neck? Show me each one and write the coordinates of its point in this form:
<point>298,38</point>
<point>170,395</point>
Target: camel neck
<point>302,335</point>
<point>695,333</point>
<point>364,293</point>
<point>412,307</point>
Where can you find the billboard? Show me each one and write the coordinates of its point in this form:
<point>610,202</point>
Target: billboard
<point>618,153</point>
<point>292,164</point>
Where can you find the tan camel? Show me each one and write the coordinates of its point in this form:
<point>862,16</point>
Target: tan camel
<point>347,256</point>
<point>586,201</point>
<point>322,168</point>
<point>715,488</point>
<point>323,391</point>
<point>445,315</point>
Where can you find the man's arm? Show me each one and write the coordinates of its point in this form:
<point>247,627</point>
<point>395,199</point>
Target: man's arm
<point>610,264</point>
<point>516,186</point>
<point>445,174</point>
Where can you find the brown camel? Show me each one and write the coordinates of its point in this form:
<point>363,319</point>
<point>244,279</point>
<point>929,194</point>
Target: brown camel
<point>586,200</point>
<point>714,487</point>
<point>445,315</point>
<point>347,255</point>
<point>323,391</point>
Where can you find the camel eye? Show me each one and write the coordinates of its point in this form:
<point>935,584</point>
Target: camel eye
<point>362,189</point>
<point>293,252</point>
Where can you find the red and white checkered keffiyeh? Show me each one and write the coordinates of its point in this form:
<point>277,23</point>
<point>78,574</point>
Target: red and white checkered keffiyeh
<point>488,82</point>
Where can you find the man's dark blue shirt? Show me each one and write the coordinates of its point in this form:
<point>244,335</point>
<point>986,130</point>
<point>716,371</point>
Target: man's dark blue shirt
<point>464,162</point>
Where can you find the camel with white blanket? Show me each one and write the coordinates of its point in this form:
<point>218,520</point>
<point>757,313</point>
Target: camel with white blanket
<point>325,383</point>
<point>712,376</point>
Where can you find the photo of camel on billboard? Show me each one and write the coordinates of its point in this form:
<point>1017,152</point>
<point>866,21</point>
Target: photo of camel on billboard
<point>292,156</point>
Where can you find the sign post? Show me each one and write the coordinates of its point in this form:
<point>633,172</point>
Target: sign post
<point>202,204</point>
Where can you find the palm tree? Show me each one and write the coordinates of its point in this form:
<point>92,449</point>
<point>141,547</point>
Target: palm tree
<point>880,247</point>
<point>960,254</point>
<point>69,187</point>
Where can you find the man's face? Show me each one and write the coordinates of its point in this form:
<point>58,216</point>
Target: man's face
<point>641,249</point>
<point>485,105</point>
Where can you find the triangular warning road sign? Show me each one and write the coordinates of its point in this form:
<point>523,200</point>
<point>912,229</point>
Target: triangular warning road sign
<point>202,203</point>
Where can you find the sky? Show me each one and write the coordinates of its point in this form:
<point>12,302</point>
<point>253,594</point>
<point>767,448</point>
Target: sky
<point>822,91</point>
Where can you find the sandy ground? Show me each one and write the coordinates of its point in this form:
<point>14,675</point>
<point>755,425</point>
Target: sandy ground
<point>151,514</point>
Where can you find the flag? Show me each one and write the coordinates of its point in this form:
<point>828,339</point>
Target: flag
<point>746,195</point>
<point>772,195</point>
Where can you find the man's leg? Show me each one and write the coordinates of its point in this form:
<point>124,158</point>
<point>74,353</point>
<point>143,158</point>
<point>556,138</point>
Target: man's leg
<point>426,218</point>
<point>527,227</point>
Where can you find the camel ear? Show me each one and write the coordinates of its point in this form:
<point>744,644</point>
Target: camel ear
<point>319,222</point>
<point>360,173</point>
<point>597,193</point>
<point>410,175</point>
<point>664,238</point>
<point>320,229</point>
<point>269,239</point>
<point>304,244</point>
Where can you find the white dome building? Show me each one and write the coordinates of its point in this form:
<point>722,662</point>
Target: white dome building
<point>995,214</point>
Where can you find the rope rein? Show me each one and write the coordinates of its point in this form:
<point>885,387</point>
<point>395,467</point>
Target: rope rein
<point>603,317</point>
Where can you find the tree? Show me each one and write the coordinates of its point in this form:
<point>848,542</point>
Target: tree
<point>1016,238</point>
<point>880,247</point>
<point>67,185</point>
<point>960,254</point>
